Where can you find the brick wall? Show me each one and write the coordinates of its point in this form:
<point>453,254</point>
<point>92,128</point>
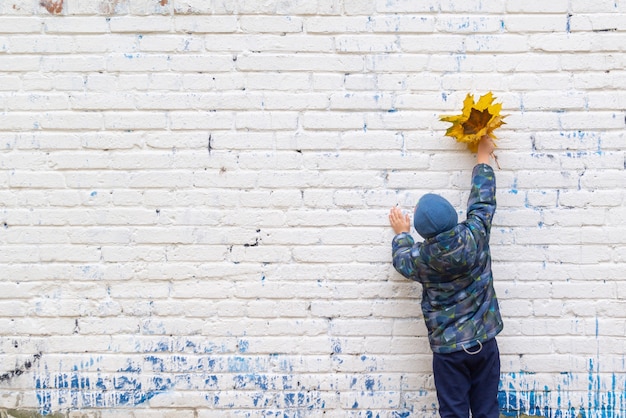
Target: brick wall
<point>194,199</point>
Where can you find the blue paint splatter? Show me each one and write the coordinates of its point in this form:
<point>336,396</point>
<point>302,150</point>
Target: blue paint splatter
<point>513,189</point>
<point>243,346</point>
<point>239,365</point>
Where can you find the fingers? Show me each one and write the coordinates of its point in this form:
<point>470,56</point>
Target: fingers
<point>395,213</point>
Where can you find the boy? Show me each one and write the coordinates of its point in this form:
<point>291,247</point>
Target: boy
<point>459,303</point>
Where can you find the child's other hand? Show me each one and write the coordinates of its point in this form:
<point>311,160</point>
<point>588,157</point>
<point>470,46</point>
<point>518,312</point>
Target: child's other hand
<point>399,221</point>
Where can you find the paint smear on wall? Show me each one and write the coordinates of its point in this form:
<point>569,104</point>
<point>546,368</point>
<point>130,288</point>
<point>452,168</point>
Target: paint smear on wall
<point>267,382</point>
<point>21,369</point>
<point>54,7</point>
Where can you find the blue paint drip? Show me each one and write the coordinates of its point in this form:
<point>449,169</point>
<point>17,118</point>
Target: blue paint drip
<point>513,189</point>
<point>519,395</point>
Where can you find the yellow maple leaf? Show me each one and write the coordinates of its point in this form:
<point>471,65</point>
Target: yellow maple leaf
<point>477,120</point>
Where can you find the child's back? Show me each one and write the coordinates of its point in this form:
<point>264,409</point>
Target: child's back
<point>459,303</point>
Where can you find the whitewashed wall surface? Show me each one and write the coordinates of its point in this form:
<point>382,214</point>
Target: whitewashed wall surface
<point>194,199</point>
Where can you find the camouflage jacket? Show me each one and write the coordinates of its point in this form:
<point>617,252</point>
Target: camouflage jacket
<point>458,299</point>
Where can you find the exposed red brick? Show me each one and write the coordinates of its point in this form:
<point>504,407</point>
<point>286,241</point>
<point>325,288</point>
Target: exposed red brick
<point>52,6</point>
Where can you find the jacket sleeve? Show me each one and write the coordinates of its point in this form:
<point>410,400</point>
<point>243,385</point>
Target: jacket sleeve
<point>482,200</point>
<point>405,252</point>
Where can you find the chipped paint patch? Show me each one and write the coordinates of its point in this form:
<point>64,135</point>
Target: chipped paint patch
<point>54,7</point>
<point>112,6</point>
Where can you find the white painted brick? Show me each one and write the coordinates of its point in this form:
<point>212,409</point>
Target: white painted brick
<point>534,6</point>
<point>276,24</point>
<point>81,24</point>
<point>596,22</point>
<point>206,24</point>
<point>347,24</point>
<point>10,64</point>
<point>269,62</point>
<point>157,43</point>
<point>469,24</point>
<point>20,25</point>
<point>145,24</point>
<point>371,43</point>
<point>593,6</point>
<point>535,23</point>
<point>408,7</point>
<point>136,62</point>
<point>195,197</point>
<point>200,63</point>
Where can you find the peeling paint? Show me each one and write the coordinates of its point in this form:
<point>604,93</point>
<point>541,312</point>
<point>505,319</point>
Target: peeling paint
<point>54,7</point>
<point>112,6</point>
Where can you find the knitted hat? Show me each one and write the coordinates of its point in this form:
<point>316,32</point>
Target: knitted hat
<point>433,215</point>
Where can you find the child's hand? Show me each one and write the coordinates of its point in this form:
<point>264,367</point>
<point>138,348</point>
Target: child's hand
<point>399,221</point>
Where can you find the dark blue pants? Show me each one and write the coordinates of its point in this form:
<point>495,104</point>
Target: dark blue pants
<point>467,382</point>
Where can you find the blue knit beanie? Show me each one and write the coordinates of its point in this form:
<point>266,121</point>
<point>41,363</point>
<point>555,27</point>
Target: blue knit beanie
<point>433,215</point>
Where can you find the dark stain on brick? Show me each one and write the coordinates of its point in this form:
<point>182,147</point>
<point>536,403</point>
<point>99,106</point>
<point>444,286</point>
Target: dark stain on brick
<point>54,7</point>
<point>18,371</point>
<point>26,413</point>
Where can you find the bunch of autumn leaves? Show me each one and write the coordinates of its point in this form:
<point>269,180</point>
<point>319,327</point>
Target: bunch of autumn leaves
<point>477,120</point>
